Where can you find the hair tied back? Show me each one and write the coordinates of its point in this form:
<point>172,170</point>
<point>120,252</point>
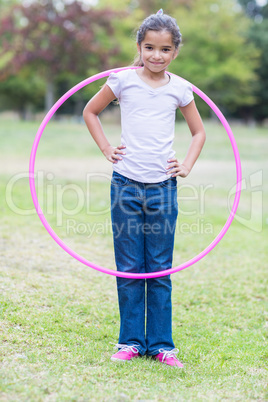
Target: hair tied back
<point>160,12</point>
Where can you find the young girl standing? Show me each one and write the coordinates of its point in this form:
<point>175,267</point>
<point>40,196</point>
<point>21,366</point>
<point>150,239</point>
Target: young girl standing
<point>144,184</point>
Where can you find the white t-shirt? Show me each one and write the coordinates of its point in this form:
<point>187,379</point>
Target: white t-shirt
<point>147,123</point>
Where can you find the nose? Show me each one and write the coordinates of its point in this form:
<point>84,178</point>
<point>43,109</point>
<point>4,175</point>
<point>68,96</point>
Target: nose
<point>157,55</point>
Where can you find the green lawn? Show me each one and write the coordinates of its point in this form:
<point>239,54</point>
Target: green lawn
<point>60,318</point>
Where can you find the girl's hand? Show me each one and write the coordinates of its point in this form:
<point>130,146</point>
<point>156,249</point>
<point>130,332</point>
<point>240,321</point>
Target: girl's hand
<point>112,154</point>
<point>177,168</point>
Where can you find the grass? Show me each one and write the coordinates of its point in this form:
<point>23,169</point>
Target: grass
<point>59,318</point>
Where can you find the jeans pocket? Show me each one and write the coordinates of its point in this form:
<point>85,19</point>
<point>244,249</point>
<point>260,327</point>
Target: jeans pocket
<point>119,180</point>
<point>170,183</point>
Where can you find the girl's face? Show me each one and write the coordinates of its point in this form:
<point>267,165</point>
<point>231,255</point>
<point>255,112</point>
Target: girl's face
<point>157,50</point>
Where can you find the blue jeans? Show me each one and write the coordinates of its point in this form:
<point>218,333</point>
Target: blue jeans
<point>144,220</point>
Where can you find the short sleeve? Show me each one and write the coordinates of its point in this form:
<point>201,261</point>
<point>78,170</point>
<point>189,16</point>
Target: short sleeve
<point>114,83</point>
<point>187,96</point>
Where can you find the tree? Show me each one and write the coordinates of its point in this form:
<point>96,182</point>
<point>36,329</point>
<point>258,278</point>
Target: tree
<point>258,35</point>
<point>23,92</point>
<point>215,55</point>
<point>55,38</point>
<point>253,8</point>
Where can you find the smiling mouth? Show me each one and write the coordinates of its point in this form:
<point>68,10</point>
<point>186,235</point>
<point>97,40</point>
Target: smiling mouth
<point>156,63</point>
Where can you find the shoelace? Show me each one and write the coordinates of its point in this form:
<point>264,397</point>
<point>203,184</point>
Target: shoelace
<point>169,353</point>
<point>126,348</point>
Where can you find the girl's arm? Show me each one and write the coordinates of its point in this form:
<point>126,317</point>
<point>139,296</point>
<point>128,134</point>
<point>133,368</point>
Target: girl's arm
<point>96,105</point>
<point>196,127</point>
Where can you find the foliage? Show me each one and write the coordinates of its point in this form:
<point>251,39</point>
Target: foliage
<point>254,9</point>
<point>215,57</point>
<point>68,43</point>
<point>25,89</point>
<point>258,35</point>
<point>53,40</point>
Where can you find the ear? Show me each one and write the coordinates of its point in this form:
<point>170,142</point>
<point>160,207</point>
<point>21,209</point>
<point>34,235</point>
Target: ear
<point>175,54</point>
<point>138,48</point>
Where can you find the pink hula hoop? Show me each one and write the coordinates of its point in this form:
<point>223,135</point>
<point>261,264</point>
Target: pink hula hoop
<point>109,271</point>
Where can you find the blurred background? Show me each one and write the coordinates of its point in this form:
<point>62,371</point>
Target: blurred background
<point>58,317</point>
<point>47,46</point>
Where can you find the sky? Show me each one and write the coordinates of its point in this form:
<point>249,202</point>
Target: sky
<point>261,3</point>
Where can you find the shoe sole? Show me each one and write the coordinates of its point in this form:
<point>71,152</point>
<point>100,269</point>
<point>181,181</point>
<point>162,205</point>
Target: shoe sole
<point>119,360</point>
<point>170,365</point>
<point>114,359</point>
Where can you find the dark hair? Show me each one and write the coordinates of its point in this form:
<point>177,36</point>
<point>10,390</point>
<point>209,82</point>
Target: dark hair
<point>158,22</point>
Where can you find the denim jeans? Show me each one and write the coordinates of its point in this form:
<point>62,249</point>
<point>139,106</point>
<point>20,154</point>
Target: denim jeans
<point>144,219</point>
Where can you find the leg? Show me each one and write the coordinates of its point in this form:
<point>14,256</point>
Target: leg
<point>127,221</point>
<point>160,217</point>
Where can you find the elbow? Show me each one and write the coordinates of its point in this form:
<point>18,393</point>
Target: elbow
<point>204,137</point>
<point>88,113</point>
<point>202,140</point>
<point>85,112</point>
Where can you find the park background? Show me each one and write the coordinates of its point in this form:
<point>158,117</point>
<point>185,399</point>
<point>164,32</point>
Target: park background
<point>59,318</point>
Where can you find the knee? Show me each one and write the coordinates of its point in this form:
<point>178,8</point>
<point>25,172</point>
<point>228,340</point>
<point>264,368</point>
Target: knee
<point>161,282</point>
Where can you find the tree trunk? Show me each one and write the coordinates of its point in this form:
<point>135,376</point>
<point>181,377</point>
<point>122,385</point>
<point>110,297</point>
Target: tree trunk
<point>78,109</point>
<point>26,112</point>
<point>50,95</point>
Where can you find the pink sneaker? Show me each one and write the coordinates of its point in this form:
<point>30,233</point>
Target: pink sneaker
<point>169,357</point>
<point>125,353</point>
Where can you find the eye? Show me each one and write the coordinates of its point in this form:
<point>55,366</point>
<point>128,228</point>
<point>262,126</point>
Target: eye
<point>166,50</point>
<point>148,47</point>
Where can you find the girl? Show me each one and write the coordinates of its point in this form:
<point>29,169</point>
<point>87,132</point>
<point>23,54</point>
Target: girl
<point>144,184</point>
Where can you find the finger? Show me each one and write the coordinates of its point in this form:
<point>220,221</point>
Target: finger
<point>117,151</point>
<point>173,168</point>
<point>177,173</point>
<point>173,160</point>
<point>173,171</point>
<point>177,169</point>
<point>115,156</point>
<point>172,165</point>
<point>121,146</point>
<point>181,173</point>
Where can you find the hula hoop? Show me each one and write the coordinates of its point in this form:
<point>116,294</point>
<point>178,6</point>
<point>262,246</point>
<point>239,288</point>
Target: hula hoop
<point>106,270</point>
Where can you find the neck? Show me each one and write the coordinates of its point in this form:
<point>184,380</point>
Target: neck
<point>150,75</point>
